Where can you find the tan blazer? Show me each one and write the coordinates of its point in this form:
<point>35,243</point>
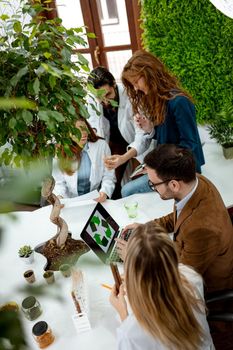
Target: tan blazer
<point>203,236</point>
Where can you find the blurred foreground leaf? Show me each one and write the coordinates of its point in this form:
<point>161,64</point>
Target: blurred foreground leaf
<point>9,103</point>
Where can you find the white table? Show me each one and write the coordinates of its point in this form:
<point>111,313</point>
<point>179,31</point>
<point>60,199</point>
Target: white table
<point>34,227</point>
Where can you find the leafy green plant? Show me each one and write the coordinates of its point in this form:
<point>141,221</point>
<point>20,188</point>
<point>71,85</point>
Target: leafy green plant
<point>25,251</point>
<point>195,41</point>
<point>221,127</point>
<point>38,63</point>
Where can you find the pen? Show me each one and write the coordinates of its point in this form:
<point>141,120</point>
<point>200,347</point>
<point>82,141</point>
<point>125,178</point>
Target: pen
<point>106,286</point>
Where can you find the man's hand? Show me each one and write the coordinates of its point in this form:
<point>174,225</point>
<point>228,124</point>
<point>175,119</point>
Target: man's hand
<point>144,123</point>
<point>102,197</point>
<point>118,302</point>
<point>112,162</point>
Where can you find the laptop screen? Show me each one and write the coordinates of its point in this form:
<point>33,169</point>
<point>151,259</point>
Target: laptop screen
<point>100,232</point>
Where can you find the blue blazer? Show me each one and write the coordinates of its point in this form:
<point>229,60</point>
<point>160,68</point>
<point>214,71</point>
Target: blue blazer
<point>180,128</point>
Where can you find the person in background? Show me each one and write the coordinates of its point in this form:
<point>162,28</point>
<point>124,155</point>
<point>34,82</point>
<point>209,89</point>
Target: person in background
<point>113,117</point>
<point>200,223</point>
<point>85,170</point>
<point>162,109</point>
<point>166,298</point>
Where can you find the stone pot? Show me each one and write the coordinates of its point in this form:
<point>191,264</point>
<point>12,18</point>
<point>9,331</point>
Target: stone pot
<point>49,277</point>
<point>29,276</point>
<point>228,152</point>
<point>65,269</point>
<point>29,259</point>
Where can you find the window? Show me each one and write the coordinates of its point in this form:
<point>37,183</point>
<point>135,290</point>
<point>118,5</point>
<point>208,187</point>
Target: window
<point>108,12</point>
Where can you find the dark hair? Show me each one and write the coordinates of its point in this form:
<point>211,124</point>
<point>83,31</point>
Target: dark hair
<point>101,76</point>
<point>172,162</point>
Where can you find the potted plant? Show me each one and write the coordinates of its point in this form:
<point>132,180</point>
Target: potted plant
<point>221,129</point>
<point>26,253</point>
<point>39,62</point>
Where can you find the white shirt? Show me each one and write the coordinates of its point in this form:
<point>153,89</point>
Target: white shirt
<point>131,336</point>
<point>130,132</point>
<point>101,178</point>
<point>180,205</point>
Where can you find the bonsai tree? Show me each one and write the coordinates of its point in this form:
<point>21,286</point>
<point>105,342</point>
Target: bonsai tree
<point>25,251</point>
<point>221,129</point>
<point>39,62</point>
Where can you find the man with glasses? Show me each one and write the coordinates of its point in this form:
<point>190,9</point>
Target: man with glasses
<point>201,226</point>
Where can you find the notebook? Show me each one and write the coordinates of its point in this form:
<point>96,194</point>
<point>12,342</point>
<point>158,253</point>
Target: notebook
<point>100,232</point>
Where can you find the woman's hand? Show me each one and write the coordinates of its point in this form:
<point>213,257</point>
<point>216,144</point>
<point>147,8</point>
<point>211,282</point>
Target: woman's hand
<point>102,197</point>
<point>112,162</point>
<point>118,302</point>
<point>143,123</point>
<point>121,243</point>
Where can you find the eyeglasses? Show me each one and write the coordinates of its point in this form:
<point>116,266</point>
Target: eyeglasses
<point>153,185</point>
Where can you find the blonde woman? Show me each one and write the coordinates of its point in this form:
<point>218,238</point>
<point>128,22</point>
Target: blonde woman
<point>84,170</point>
<point>166,299</point>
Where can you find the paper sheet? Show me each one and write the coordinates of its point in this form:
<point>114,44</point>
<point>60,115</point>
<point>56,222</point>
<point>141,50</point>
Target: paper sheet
<point>71,202</point>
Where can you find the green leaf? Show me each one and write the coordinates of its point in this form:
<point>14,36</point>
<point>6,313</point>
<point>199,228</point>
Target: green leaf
<point>113,103</point>
<point>4,17</point>
<point>9,103</point>
<point>12,123</point>
<point>71,110</point>
<point>40,70</point>
<point>66,54</point>
<point>43,115</point>
<point>57,115</point>
<point>27,117</point>
<point>47,55</point>
<point>23,71</point>
<point>91,35</point>
<point>17,27</point>
<point>36,86</point>
<point>52,81</point>
<point>44,44</point>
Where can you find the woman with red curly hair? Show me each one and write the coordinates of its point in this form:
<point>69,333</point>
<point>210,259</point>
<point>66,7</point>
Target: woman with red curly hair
<point>162,108</point>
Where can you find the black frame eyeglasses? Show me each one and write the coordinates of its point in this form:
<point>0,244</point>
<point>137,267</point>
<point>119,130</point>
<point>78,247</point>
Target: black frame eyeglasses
<point>153,185</point>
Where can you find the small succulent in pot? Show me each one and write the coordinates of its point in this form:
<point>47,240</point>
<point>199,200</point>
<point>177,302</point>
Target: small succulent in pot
<point>26,252</point>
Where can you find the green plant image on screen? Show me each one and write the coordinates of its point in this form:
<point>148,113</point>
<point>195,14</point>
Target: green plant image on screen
<point>100,231</point>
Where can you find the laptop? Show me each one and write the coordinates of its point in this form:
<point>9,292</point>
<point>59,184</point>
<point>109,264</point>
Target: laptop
<point>100,233</point>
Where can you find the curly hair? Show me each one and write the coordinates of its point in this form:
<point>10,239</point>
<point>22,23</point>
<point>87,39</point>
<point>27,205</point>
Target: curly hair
<point>162,85</point>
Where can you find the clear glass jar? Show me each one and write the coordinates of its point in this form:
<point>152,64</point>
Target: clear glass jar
<point>31,308</point>
<point>42,334</point>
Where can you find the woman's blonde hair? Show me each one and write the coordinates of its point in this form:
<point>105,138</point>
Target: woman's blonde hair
<point>161,298</point>
<point>67,162</point>
<point>162,85</point>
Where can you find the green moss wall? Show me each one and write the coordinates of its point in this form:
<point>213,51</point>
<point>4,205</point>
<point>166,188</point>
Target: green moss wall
<point>195,41</point>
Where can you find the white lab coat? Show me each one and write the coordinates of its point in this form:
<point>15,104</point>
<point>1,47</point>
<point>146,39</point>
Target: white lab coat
<point>131,336</point>
<point>131,133</point>
<point>125,117</point>
<point>101,178</point>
